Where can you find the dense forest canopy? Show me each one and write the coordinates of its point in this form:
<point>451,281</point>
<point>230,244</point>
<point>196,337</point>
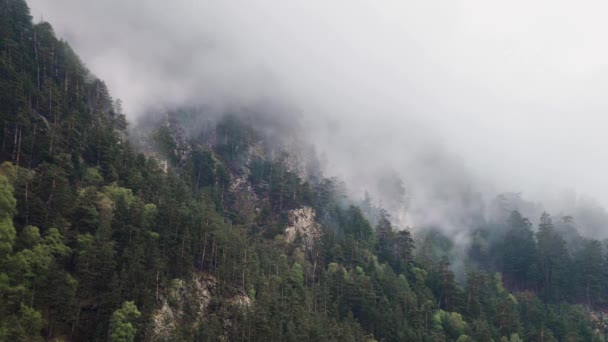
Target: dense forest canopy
<point>218,234</point>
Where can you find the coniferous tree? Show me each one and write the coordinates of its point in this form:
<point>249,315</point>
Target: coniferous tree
<point>554,261</point>
<point>518,252</point>
<point>97,239</point>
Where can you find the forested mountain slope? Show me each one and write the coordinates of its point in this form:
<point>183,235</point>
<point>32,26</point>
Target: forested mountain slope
<point>217,236</point>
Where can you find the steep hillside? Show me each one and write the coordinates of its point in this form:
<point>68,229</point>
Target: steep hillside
<point>216,233</point>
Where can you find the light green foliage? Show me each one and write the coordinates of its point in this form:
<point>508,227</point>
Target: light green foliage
<point>92,176</point>
<point>333,267</point>
<point>92,232</point>
<point>297,274</point>
<point>456,323</point>
<point>30,236</point>
<point>8,170</point>
<point>153,235</point>
<point>438,319</point>
<point>498,281</point>
<point>34,262</point>
<point>7,210</point>
<point>149,215</point>
<point>515,338</point>
<point>85,241</point>
<point>175,286</point>
<point>122,323</point>
<point>24,325</point>
<point>451,323</point>
<point>30,324</point>
<point>117,193</point>
<point>7,236</point>
<point>31,320</point>
<point>420,275</point>
<point>53,241</point>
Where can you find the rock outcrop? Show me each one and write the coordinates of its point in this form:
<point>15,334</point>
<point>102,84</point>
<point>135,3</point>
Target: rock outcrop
<point>188,303</point>
<point>302,224</point>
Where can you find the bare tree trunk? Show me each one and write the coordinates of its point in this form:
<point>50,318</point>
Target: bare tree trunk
<point>29,164</point>
<point>36,57</point>
<point>15,142</point>
<point>19,147</point>
<point>49,325</point>
<point>75,323</point>
<point>157,272</point>
<point>244,266</point>
<point>204,251</point>
<point>542,334</point>
<point>27,205</point>
<point>5,132</point>
<point>183,242</point>
<point>52,139</point>
<point>54,121</point>
<point>588,296</point>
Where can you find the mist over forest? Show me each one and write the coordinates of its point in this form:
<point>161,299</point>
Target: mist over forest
<point>447,97</point>
<point>389,171</point>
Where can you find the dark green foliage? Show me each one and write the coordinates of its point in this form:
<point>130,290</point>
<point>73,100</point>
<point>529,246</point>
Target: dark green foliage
<point>590,268</point>
<point>554,261</point>
<point>94,236</point>
<point>518,251</point>
<point>394,247</point>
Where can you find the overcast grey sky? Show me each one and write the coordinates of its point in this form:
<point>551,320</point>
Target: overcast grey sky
<point>514,92</point>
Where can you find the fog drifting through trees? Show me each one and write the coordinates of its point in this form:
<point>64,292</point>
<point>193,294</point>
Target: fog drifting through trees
<point>456,99</point>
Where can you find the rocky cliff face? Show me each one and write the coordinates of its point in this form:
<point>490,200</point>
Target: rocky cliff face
<point>185,304</point>
<point>302,223</point>
<point>304,230</point>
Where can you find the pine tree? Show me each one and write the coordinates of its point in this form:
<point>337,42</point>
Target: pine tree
<point>554,261</point>
<point>518,250</point>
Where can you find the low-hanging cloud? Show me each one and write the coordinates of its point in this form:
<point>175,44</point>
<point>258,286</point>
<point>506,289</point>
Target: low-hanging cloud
<point>460,99</point>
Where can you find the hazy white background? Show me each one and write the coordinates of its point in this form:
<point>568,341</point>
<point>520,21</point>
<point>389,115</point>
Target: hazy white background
<point>512,92</point>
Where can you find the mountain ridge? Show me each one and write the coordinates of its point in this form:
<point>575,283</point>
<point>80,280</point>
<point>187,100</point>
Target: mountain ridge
<point>219,234</point>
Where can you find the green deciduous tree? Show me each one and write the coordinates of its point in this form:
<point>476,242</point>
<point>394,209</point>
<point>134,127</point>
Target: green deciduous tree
<point>123,323</point>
